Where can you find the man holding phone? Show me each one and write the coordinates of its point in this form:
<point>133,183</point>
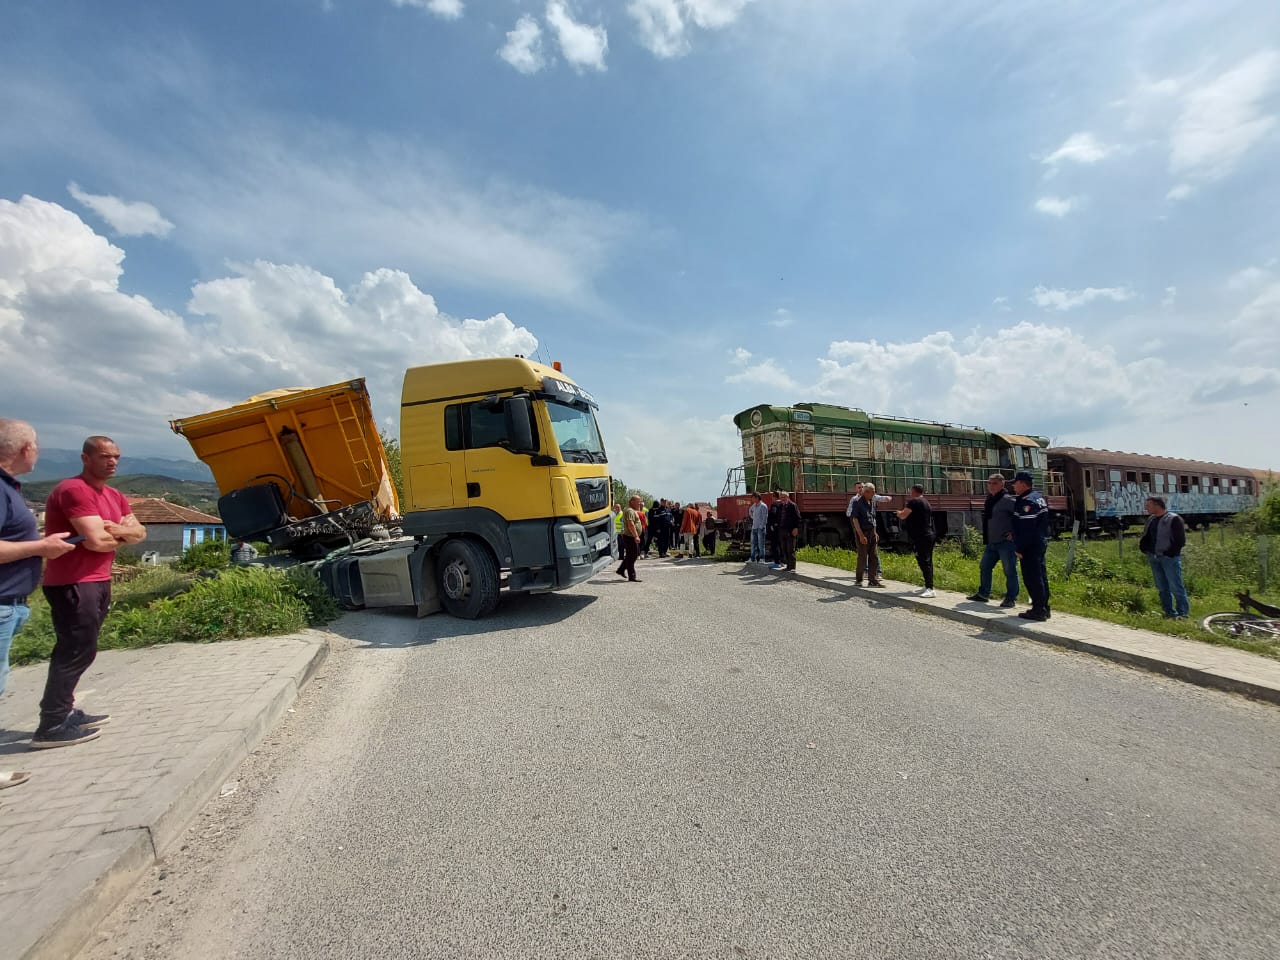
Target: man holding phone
<point>22,549</point>
<point>78,587</point>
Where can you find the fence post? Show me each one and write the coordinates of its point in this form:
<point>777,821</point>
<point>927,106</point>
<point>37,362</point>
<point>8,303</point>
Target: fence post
<point>1071,550</point>
<point>1120,540</point>
<point>1204,534</point>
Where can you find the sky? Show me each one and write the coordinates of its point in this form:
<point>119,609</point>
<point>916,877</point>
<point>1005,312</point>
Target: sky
<point>1060,219</point>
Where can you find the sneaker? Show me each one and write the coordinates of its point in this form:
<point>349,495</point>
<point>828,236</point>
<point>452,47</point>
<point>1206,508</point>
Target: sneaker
<point>776,566</point>
<point>978,598</point>
<point>875,583</point>
<point>13,778</point>
<point>89,721</point>
<point>927,593</point>
<point>1007,602</point>
<point>1037,615</point>
<point>63,735</point>
<point>857,583</point>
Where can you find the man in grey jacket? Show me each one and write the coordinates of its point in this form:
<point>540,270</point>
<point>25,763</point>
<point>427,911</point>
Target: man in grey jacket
<point>1162,541</point>
<point>997,535</point>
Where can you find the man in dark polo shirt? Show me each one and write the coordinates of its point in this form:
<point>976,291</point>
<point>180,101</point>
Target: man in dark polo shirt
<point>78,587</point>
<point>22,549</point>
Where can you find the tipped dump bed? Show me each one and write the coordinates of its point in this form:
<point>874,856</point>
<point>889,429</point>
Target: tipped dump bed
<point>319,447</point>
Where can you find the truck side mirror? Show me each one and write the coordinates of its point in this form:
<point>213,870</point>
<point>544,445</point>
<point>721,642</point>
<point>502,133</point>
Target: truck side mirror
<point>519,427</point>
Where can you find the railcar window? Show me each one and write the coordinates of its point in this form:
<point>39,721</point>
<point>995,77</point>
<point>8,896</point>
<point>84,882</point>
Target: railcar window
<point>1173,483</point>
<point>1248,487</point>
<point>1184,484</point>
<point>1159,483</point>
<point>1115,476</point>
<point>1131,477</point>
<point>1088,480</point>
<point>1146,479</point>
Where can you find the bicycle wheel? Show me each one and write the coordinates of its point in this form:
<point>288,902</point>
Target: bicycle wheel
<point>1239,625</point>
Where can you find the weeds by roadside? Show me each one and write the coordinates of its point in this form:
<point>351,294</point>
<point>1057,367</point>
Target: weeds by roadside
<point>1104,585</point>
<point>165,605</point>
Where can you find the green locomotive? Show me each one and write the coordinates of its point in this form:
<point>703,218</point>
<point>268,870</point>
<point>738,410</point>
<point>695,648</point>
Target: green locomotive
<point>818,452</point>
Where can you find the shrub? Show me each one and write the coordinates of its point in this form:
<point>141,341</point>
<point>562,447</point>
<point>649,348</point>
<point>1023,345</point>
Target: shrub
<point>209,555</point>
<point>310,589</point>
<point>247,602</point>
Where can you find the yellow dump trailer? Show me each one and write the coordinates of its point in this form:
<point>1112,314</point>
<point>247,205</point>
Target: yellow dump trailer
<point>307,462</point>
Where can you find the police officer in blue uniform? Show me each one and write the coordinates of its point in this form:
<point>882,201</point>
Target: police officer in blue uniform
<point>1031,530</point>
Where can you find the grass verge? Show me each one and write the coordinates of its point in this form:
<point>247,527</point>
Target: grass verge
<point>1106,584</point>
<point>164,605</point>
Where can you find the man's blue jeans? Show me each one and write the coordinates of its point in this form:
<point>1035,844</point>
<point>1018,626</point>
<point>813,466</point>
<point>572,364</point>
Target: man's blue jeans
<point>1167,572</point>
<point>757,543</point>
<point>12,617</point>
<point>1006,555</point>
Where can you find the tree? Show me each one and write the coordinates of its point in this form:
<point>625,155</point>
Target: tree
<point>622,493</point>
<point>392,448</point>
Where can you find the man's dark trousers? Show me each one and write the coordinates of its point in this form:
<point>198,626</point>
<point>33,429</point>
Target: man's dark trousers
<point>630,548</point>
<point>77,610</point>
<point>924,558</point>
<point>787,549</point>
<point>1034,574</point>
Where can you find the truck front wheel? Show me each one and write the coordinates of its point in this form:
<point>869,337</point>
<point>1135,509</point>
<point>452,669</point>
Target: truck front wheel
<point>468,579</point>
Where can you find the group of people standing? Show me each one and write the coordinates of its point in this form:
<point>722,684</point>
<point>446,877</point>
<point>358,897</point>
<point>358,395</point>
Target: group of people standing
<point>1016,528</point>
<point>777,526</point>
<point>665,526</point>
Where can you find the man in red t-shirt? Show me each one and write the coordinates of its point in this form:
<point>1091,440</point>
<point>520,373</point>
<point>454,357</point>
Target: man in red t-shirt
<point>78,586</point>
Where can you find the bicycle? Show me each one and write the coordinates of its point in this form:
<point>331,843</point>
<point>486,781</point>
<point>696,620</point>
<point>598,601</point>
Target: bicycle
<point>1254,621</point>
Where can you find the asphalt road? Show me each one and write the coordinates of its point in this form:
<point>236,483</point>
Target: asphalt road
<point>717,763</point>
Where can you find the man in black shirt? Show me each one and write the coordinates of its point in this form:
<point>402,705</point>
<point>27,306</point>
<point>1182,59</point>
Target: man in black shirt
<point>788,530</point>
<point>917,521</point>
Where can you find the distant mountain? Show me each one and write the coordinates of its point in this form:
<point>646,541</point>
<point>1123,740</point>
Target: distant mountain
<point>197,494</point>
<point>54,464</point>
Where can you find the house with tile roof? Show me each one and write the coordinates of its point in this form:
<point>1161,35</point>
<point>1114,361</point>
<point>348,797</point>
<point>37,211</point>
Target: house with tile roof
<point>171,528</point>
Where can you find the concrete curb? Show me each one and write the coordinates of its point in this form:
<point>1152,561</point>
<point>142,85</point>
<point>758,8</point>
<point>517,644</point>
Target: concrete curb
<point>96,884</point>
<point>1200,674</point>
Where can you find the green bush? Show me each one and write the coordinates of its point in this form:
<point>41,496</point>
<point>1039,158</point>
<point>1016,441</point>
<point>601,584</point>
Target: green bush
<point>310,589</point>
<point>162,605</point>
<point>209,555</point>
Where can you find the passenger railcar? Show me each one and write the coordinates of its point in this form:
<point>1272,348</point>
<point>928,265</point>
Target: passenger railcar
<point>1107,490</point>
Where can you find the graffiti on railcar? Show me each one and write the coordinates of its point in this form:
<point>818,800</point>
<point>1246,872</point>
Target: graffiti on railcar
<point>1129,499</point>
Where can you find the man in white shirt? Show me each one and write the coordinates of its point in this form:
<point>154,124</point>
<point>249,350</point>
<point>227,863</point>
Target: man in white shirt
<point>759,513</point>
<point>878,499</point>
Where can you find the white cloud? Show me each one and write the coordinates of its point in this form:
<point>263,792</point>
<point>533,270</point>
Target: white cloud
<point>1180,192</point>
<point>523,49</point>
<point>584,46</point>
<point>1055,299</point>
<point>444,9</point>
<point>127,218</point>
<point>782,318</point>
<point>268,325</point>
<point>664,25</point>
<point>1001,304</point>
<point>633,437</point>
<point>1170,297</point>
<point>1057,206</point>
<point>1255,330</point>
<point>1223,119</point>
<point>661,25</point>
<point>1247,278</point>
<point>1083,148</point>
<point>765,373</point>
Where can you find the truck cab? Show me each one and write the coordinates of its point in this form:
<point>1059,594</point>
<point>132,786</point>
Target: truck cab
<point>504,470</point>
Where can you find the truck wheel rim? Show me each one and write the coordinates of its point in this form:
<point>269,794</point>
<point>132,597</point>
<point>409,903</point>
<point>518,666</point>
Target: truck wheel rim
<point>457,581</point>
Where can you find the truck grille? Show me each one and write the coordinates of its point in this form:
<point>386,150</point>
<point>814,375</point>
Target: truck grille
<point>594,494</point>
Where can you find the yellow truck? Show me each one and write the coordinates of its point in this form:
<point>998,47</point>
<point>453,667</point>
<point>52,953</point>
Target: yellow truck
<point>506,483</point>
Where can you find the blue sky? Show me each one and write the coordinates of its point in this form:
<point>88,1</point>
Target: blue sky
<point>1053,218</point>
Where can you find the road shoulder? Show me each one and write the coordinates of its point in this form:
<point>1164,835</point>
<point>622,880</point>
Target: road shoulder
<point>95,817</point>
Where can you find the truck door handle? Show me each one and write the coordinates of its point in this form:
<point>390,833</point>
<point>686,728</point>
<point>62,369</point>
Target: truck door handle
<point>473,489</point>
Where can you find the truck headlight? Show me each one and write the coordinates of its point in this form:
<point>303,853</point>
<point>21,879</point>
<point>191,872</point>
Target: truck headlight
<point>575,538</point>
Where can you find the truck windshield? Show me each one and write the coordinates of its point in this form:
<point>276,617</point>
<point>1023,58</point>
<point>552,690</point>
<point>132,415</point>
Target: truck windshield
<point>576,432</point>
